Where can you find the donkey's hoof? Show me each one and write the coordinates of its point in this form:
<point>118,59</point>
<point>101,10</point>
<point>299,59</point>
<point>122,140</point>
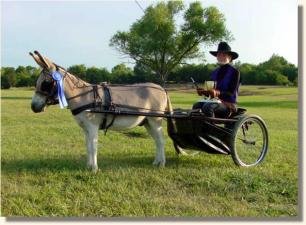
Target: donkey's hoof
<point>160,163</point>
<point>93,169</point>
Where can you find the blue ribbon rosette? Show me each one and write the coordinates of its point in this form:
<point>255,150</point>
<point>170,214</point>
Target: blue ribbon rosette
<point>58,77</point>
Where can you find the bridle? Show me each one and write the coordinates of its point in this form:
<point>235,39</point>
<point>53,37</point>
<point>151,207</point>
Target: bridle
<point>48,88</point>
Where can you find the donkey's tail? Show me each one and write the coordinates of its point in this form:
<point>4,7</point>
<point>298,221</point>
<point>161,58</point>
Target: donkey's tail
<point>171,125</point>
<point>169,105</point>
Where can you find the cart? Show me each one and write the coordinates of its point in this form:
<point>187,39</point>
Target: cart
<point>243,136</point>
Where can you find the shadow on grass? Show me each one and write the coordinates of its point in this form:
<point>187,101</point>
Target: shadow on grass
<point>52,164</point>
<point>15,98</point>
<point>67,163</point>
<point>135,134</point>
<point>271,104</point>
<point>252,93</point>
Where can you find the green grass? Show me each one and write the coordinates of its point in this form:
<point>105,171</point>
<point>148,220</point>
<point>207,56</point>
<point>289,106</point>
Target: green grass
<point>43,162</point>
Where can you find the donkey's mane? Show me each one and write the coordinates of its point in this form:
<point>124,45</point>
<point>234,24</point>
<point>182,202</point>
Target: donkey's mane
<point>79,83</point>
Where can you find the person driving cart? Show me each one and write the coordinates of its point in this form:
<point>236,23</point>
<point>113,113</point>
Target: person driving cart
<point>226,84</point>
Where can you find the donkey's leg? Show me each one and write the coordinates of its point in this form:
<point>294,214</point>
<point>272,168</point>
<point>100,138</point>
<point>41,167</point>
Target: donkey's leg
<point>154,128</point>
<point>91,136</point>
<point>92,144</point>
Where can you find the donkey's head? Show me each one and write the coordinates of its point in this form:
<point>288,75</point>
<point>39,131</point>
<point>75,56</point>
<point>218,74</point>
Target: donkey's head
<point>46,88</point>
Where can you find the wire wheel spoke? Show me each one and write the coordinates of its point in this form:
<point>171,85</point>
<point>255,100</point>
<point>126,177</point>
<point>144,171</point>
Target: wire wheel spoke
<point>190,152</point>
<point>187,152</point>
<point>251,142</point>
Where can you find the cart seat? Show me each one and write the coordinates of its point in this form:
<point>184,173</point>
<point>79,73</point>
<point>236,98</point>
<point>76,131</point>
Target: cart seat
<point>186,111</point>
<point>240,111</point>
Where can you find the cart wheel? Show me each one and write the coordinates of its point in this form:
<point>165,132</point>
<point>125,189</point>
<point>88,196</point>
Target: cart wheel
<point>180,150</point>
<point>249,143</point>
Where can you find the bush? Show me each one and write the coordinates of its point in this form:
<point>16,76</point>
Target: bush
<point>5,84</point>
<point>282,80</point>
<point>8,77</point>
<point>122,74</point>
<point>23,80</point>
<point>296,81</point>
<point>95,75</point>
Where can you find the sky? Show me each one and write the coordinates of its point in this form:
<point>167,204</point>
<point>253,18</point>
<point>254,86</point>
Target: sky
<point>79,32</point>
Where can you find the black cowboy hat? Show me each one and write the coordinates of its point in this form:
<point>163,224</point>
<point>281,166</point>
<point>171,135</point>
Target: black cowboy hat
<point>224,47</point>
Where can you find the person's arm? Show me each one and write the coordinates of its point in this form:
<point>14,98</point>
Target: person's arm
<point>201,91</point>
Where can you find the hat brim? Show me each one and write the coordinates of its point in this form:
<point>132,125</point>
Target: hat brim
<point>233,54</point>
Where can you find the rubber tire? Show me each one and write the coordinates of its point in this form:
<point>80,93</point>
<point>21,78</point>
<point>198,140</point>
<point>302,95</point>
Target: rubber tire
<point>238,124</point>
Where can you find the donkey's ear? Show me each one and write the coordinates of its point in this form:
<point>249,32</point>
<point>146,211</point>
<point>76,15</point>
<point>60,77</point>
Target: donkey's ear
<point>42,59</point>
<point>37,60</point>
<point>44,62</point>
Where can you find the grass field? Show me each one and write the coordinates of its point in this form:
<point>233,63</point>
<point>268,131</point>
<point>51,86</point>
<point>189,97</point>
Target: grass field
<point>43,166</point>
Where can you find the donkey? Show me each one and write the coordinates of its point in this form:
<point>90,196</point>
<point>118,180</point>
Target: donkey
<point>79,93</point>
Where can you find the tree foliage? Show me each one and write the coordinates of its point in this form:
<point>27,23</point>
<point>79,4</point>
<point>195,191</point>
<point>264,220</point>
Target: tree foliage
<point>156,42</point>
<point>8,77</point>
<point>274,71</point>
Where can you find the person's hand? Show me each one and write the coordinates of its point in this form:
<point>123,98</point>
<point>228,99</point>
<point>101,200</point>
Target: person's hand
<point>200,91</point>
<point>213,93</point>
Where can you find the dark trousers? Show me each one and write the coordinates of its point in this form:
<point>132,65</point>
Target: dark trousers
<point>213,109</point>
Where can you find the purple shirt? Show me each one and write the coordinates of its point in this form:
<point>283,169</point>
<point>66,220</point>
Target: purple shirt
<point>227,82</point>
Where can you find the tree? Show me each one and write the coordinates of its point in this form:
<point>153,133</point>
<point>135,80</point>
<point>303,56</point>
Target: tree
<point>8,77</point>
<point>275,63</point>
<point>5,84</point>
<point>96,75</point>
<point>281,80</point>
<point>290,71</point>
<point>199,73</point>
<point>23,80</point>
<point>78,70</point>
<point>286,72</point>
<point>247,73</point>
<point>21,69</point>
<point>122,74</point>
<point>34,74</point>
<point>144,74</point>
<point>26,76</point>
<point>295,82</point>
<point>157,43</point>
<point>271,77</point>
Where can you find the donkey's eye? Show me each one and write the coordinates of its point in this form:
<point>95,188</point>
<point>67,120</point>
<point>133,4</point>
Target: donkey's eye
<point>47,85</point>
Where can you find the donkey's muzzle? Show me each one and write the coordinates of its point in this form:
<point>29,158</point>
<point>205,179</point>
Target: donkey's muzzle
<point>36,109</point>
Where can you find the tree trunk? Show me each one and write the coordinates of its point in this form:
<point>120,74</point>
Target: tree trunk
<point>163,79</point>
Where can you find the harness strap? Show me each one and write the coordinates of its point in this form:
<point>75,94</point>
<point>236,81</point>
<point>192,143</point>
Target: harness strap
<point>84,107</point>
<point>138,108</point>
<point>107,97</point>
<point>106,106</point>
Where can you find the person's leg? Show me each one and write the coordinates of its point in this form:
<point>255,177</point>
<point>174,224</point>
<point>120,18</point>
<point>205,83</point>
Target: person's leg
<point>214,109</point>
<point>222,111</point>
<point>209,109</point>
<point>197,105</point>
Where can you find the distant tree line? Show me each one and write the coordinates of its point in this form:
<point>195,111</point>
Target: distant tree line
<point>275,71</point>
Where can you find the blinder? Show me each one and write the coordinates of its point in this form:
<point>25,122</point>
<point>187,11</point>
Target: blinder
<point>48,88</point>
